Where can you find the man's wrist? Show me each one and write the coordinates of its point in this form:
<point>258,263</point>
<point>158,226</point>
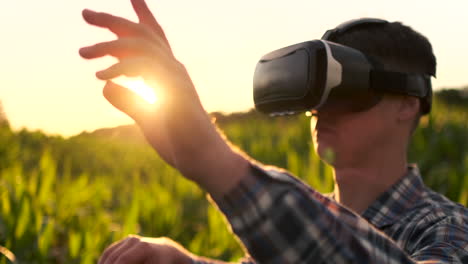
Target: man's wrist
<point>228,169</point>
<point>215,165</point>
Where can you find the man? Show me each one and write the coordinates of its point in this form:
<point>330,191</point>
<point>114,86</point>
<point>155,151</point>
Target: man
<point>380,211</point>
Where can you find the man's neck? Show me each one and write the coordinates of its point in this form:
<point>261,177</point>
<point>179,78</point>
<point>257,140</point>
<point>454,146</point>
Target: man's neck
<point>358,187</point>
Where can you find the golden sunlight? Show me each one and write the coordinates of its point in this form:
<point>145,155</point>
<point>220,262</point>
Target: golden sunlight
<point>138,86</point>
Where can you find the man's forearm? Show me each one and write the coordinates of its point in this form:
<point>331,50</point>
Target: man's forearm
<point>202,260</point>
<point>227,168</point>
<point>217,166</point>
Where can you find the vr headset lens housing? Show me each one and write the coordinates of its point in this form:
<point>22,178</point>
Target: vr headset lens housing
<point>309,75</point>
<point>305,76</point>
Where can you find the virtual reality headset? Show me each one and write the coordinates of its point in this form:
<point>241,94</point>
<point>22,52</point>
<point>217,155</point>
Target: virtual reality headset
<point>308,75</point>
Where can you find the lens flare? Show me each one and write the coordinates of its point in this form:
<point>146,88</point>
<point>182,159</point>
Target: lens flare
<point>139,86</point>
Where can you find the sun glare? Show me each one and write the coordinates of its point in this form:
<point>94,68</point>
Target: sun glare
<point>138,86</point>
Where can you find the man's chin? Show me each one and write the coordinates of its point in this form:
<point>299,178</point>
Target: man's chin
<point>327,154</point>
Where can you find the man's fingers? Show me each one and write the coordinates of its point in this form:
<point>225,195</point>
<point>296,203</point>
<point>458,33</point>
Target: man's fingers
<point>157,73</point>
<point>120,48</point>
<point>144,14</point>
<point>130,67</point>
<point>128,244</point>
<point>126,101</point>
<point>147,18</point>
<point>108,251</point>
<point>119,26</point>
<point>138,253</point>
<point>115,249</point>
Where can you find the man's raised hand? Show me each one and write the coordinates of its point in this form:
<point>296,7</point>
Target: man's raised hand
<point>177,127</point>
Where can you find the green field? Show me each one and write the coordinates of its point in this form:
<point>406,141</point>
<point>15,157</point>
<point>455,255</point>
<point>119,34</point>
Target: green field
<point>65,200</point>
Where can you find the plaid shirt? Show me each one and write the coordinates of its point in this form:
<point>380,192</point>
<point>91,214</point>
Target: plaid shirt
<point>279,219</point>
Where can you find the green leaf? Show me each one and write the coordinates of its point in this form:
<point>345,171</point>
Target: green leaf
<point>46,238</point>
<point>23,218</point>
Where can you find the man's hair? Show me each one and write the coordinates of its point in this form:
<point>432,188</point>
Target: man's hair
<point>396,46</point>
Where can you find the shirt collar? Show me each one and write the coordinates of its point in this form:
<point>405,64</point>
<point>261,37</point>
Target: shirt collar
<point>397,200</point>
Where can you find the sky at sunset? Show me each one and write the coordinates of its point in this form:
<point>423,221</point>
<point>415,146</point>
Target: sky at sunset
<point>45,84</point>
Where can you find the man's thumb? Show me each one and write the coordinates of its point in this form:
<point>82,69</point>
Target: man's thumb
<point>125,100</point>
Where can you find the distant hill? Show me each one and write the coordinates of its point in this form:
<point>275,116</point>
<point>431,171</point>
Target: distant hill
<point>454,97</point>
<point>131,133</point>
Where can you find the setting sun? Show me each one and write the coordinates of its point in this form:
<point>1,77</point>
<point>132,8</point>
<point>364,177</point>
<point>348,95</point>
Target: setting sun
<point>139,86</point>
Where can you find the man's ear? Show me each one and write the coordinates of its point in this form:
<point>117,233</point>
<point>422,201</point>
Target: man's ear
<point>408,108</point>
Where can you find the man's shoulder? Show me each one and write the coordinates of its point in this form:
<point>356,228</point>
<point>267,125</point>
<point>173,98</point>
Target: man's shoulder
<point>433,218</point>
<point>442,208</point>
<point>433,207</point>
<point>430,206</point>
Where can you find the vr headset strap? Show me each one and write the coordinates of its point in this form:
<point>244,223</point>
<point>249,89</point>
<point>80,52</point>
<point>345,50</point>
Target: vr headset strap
<point>402,83</point>
<point>418,85</point>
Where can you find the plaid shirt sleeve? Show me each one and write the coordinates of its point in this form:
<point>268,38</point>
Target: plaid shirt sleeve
<point>279,219</point>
